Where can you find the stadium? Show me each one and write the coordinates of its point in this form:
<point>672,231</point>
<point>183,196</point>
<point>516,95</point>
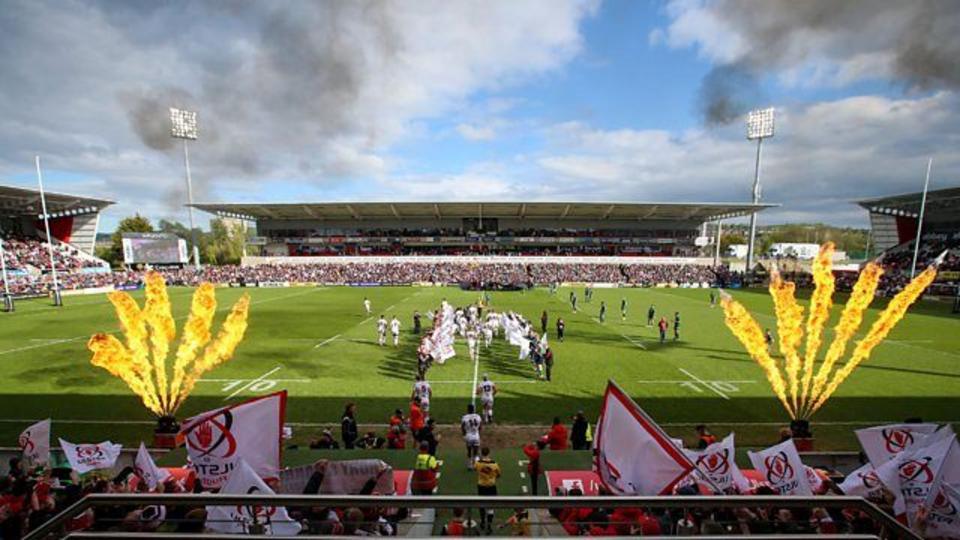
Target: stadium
<point>591,329</point>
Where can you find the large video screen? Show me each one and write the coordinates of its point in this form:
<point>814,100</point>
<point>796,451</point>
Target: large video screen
<point>153,248</point>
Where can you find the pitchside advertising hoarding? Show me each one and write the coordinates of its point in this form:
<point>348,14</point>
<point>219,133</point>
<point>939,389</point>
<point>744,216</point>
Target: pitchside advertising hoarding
<point>153,248</point>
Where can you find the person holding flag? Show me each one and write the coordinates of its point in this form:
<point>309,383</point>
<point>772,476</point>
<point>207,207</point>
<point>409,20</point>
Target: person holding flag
<point>35,444</point>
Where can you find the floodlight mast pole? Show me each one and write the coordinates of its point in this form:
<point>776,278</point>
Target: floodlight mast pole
<point>759,127</point>
<point>7,298</point>
<point>923,206</point>
<point>57,300</point>
<point>193,230</point>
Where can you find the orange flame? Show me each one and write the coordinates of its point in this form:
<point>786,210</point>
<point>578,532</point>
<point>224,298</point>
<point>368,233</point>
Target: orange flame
<point>789,329</point>
<point>820,304</point>
<point>152,329</point>
<point>889,318</point>
<point>804,393</point>
<point>850,320</point>
<point>748,332</point>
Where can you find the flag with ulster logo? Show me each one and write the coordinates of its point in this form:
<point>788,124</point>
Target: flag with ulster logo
<point>35,443</point>
<point>84,458</point>
<point>943,512</point>
<point>241,519</point>
<point>914,473</point>
<point>781,467</point>
<point>863,482</point>
<point>146,469</point>
<point>717,463</point>
<point>881,443</point>
<point>217,440</point>
<point>633,455</point>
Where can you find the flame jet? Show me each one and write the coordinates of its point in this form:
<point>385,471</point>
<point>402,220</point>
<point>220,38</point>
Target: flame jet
<point>141,363</point>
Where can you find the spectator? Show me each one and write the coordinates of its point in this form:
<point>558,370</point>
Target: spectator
<point>416,420</point>
<point>488,472</point>
<point>430,436</point>
<point>519,523</point>
<point>704,437</point>
<point>325,442</point>
<point>455,526</point>
<point>371,441</point>
<point>348,426</point>
<point>557,436</point>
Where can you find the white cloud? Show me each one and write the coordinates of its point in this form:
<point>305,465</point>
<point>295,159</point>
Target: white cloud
<point>473,132</point>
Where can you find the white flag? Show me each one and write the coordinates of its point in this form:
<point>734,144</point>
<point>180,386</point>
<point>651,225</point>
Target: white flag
<point>863,482</point>
<point>881,443</point>
<point>912,475</point>
<point>633,455</point>
<point>717,463</point>
<point>943,516</point>
<point>84,458</point>
<point>217,440</point>
<point>781,467</point>
<point>35,443</point>
<point>239,519</point>
<point>147,470</point>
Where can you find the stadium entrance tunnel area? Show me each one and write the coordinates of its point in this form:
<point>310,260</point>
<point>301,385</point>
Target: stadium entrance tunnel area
<point>321,345</point>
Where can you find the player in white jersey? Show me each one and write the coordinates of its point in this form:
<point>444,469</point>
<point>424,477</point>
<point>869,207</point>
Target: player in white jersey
<point>423,393</point>
<point>472,311</point>
<point>395,330</point>
<point>487,334</point>
<point>382,331</point>
<point>487,390</point>
<point>470,425</point>
<point>472,344</point>
<point>367,305</point>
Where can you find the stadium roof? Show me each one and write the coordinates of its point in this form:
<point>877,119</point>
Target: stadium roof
<point>26,202</point>
<point>940,203</point>
<point>531,210</point>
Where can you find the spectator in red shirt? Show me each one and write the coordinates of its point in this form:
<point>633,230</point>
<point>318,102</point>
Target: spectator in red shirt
<point>534,470</point>
<point>557,437</point>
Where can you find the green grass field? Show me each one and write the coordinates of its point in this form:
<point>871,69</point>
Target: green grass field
<point>319,345</point>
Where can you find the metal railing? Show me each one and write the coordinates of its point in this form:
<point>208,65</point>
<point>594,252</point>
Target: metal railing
<point>56,527</point>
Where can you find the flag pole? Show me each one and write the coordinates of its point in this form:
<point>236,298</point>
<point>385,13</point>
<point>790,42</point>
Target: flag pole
<point>57,300</point>
<point>923,206</point>
<point>7,297</point>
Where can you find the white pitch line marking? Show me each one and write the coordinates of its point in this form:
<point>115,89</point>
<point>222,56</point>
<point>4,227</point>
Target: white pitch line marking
<point>635,342</point>
<point>324,342</point>
<point>705,383</point>
<point>469,382</point>
<point>524,489</point>
<point>680,381</point>
<point>244,380</point>
<point>253,381</point>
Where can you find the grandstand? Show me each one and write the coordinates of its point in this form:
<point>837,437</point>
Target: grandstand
<point>74,219</point>
<point>314,231</point>
<point>893,229</point>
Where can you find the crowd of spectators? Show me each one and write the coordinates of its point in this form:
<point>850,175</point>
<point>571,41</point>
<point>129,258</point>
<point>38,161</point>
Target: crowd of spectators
<point>31,254</point>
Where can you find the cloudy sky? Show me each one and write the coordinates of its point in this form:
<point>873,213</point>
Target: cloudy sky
<point>481,100</point>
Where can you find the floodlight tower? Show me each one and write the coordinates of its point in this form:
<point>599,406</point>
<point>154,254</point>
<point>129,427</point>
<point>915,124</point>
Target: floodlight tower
<point>183,125</point>
<point>759,127</point>
<point>7,297</point>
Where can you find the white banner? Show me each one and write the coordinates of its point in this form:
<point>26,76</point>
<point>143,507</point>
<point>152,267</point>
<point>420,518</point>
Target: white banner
<point>717,462</point>
<point>863,482</point>
<point>781,467</point>
<point>881,443</point>
<point>356,477</point>
<point>241,519</point>
<point>943,513</point>
<point>633,455</point>
<point>217,440</point>
<point>84,458</point>
<point>35,443</point>
<point>147,470</point>
<point>912,475</point>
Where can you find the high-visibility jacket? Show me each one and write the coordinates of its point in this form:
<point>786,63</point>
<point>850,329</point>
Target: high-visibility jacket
<point>589,435</point>
<point>424,476</point>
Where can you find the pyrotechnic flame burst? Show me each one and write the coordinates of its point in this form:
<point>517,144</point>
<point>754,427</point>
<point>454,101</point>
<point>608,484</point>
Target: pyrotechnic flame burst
<point>142,362</point>
<point>800,387</point>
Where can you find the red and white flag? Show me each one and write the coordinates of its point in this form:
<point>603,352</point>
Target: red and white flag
<point>84,458</point>
<point>147,470</point>
<point>217,440</point>
<point>35,443</point>
<point>863,482</point>
<point>912,475</point>
<point>633,455</point>
<point>240,519</point>
<point>881,443</point>
<point>781,467</point>
<point>717,463</point>
<point>943,513</point>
